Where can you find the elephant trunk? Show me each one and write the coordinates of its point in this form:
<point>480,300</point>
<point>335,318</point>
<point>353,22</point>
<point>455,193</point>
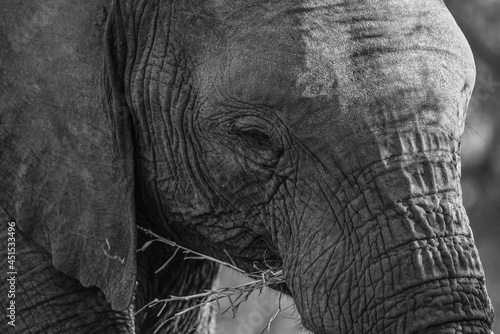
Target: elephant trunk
<point>395,253</point>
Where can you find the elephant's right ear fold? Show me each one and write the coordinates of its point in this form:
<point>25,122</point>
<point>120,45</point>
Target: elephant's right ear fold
<point>66,157</point>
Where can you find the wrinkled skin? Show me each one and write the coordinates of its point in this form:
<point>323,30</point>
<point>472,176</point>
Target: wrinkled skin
<point>320,136</point>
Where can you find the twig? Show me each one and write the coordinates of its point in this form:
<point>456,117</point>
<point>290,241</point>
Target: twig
<point>260,279</point>
<point>186,250</point>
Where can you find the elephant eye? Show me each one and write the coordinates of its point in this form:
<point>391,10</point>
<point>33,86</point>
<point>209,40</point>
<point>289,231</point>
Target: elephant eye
<point>256,138</point>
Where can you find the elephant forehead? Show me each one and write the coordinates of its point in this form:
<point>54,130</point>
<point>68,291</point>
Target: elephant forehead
<point>315,53</point>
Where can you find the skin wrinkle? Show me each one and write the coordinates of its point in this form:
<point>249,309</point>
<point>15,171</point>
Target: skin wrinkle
<point>322,271</point>
<point>384,211</point>
<point>374,179</point>
<point>189,159</point>
<point>413,152</point>
<point>387,252</point>
<point>344,229</point>
<point>464,326</point>
<point>283,212</point>
<point>312,264</point>
<point>410,287</point>
<point>147,98</point>
<point>171,168</point>
<point>455,279</point>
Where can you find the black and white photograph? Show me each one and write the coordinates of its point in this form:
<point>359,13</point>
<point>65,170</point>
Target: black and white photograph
<point>250,166</point>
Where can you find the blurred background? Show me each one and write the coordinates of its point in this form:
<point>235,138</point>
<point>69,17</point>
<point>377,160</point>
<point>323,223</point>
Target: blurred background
<point>480,22</point>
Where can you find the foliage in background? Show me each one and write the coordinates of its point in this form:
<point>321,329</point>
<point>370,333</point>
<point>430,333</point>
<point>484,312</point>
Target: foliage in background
<point>480,22</point>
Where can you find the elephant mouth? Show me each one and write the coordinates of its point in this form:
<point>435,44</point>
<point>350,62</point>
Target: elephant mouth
<point>282,288</point>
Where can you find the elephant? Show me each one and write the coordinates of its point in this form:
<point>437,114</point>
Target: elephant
<point>321,137</point>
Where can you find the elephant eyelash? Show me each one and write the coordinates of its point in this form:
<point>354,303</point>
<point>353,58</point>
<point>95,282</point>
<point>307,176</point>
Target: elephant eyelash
<point>257,144</point>
<point>255,138</point>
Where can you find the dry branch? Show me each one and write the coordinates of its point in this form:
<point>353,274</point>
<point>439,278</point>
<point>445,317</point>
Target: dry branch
<point>260,278</point>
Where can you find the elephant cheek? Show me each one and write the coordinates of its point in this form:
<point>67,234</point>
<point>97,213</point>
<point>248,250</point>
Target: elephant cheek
<point>395,257</point>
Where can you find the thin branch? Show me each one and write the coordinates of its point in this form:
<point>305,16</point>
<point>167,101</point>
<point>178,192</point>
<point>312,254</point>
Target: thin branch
<point>260,278</point>
<point>186,250</point>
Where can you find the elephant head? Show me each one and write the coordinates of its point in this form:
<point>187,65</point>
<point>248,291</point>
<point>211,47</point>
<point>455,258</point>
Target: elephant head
<point>321,135</point>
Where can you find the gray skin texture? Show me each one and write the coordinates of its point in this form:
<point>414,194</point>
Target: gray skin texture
<point>320,136</point>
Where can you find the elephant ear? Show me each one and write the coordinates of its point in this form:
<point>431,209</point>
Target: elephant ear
<point>66,157</point>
